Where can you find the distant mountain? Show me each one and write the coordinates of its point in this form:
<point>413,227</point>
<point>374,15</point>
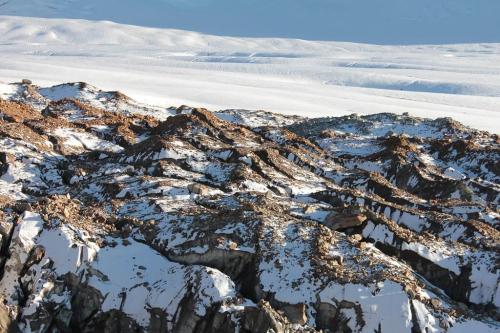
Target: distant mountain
<point>378,21</point>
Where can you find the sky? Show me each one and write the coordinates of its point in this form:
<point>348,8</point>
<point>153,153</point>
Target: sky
<point>364,21</point>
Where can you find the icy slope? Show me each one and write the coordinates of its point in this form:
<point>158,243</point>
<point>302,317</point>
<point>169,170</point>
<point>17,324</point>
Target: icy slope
<point>367,21</point>
<point>173,67</point>
<point>143,219</point>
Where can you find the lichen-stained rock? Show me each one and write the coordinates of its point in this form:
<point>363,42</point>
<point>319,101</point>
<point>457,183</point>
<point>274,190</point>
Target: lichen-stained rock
<point>120,217</point>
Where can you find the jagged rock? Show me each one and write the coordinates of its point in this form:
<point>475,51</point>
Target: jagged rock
<point>86,302</point>
<point>295,225</point>
<point>264,319</point>
<point>113,321</point>
<point>232,262</point>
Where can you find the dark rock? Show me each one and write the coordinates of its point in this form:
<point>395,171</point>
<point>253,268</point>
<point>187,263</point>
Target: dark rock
<point>85,303</point>
<point>113,321</point>
<point>5,160</point>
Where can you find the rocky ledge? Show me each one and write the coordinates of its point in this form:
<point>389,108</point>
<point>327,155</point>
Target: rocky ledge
<point>122,217</point>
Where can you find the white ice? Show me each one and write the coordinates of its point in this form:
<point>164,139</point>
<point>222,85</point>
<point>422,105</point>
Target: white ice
<point>171,67</point>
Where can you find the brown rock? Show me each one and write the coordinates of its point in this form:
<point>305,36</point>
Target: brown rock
<point>356,238</point>
<point>309,209</point>
<point>66,212</point>
<point>409,290</point>
<point>362,245</point>
<point>199,189</point>
<point>263,319</point>
<point>436,303</point>
<point>337,221</point>
<point>7,324</point>
<point>296,313</point>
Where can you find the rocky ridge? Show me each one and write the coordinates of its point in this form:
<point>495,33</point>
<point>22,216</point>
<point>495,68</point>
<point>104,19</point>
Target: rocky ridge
<point>122,217</point>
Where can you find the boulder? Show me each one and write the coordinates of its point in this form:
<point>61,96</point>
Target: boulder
<point>199,189</point>
<point>5,160</point>
<point>342,221</point>
<point>264,319</point>
<point>296,313</point>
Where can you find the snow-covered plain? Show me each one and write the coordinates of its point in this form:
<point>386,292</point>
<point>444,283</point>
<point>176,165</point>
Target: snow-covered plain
<point>172,67</point>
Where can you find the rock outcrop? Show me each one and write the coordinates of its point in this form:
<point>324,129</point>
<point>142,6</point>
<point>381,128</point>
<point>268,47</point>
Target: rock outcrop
<point>122,217</point>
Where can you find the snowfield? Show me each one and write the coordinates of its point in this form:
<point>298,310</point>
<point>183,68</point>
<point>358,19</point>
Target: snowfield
<point>172,67</point>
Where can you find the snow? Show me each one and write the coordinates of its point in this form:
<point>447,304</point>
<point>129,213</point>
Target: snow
<point>437,256</point>
<point>165,286</point>
<point>485,285</point>
<point>172,154</point>
<point>311,78</point>
<point>491,218</point>
<point>30,226</point>
<point>83,140</point>
<point>384,304</point>
<point>147,278</point>
<point>7,90</point>
<point>25,168</point>
<point>308,78</point>
<point>379,233</point>
<point>292,283</point>
<point>67,253</point>
<point>412,221</point>
<point>9,186</point>
<point>355,146</point>
<point>454,174</point>
<point>473,326</point>
<point>454,232</point>
<point>250,185</point>
<point>426,321</point>
<point>60,92</point>
<point>121,266</point>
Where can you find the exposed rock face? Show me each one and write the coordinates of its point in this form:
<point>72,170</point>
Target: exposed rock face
<point>121,217</point>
